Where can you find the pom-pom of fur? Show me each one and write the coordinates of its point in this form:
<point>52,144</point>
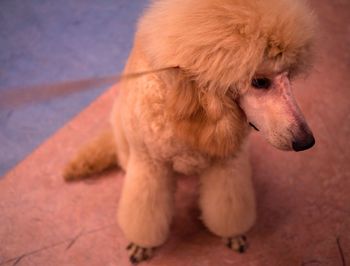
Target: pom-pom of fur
<point>97,156</point>
<point>224,43</point>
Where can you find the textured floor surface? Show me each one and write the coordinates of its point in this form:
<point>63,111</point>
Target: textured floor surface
<point>303,198</point>
<point>45,41</point>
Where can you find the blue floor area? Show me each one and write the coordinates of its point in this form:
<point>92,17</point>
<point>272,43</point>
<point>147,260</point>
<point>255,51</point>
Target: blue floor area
<point>46,41</point>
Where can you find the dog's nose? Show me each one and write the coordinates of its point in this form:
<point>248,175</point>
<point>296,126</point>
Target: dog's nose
<point>304,143</point>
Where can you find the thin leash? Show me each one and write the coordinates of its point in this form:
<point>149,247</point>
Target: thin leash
<point>17,96</point>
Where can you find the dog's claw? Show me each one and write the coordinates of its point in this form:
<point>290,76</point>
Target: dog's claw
<point>238,243</point>
<point>138,254</point>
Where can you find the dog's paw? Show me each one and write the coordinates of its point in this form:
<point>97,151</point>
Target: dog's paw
<point>138,254</point>
<point>238,243</point>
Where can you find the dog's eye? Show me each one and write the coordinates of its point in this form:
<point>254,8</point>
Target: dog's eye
<point>261,83</point>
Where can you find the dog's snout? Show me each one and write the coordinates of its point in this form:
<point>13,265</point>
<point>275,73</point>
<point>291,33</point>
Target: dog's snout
<point>304,143</point>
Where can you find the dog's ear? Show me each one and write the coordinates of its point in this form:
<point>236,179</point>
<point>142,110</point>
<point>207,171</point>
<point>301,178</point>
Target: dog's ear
<point>186,97</point>
<point>206,118</point>
<point>183,96</point>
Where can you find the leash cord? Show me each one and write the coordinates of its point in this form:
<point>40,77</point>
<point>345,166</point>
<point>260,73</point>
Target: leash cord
<point>17,96</point>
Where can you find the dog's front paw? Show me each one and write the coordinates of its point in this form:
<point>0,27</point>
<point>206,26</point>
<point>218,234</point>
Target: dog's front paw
<point>138,254</point>
<point>238,243</point>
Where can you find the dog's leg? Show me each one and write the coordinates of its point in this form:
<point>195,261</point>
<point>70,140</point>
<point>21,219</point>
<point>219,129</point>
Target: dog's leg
<point>146,205</point>
<point>227,200</point>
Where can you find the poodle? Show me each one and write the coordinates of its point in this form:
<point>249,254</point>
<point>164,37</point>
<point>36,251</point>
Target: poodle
<point>226,68</point>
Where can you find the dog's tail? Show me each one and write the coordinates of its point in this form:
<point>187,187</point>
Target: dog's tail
<point>95,157</point>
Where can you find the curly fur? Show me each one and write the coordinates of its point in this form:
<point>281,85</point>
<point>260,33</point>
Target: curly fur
<point>188,119</point>
<point>97,156</point>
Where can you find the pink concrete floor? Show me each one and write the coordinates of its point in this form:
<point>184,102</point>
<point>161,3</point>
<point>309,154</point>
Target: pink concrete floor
<point>303,198</point>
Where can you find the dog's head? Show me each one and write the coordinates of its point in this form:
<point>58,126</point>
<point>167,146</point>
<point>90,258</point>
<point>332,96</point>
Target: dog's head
<point>271,109</point>
<point>236,60</point>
